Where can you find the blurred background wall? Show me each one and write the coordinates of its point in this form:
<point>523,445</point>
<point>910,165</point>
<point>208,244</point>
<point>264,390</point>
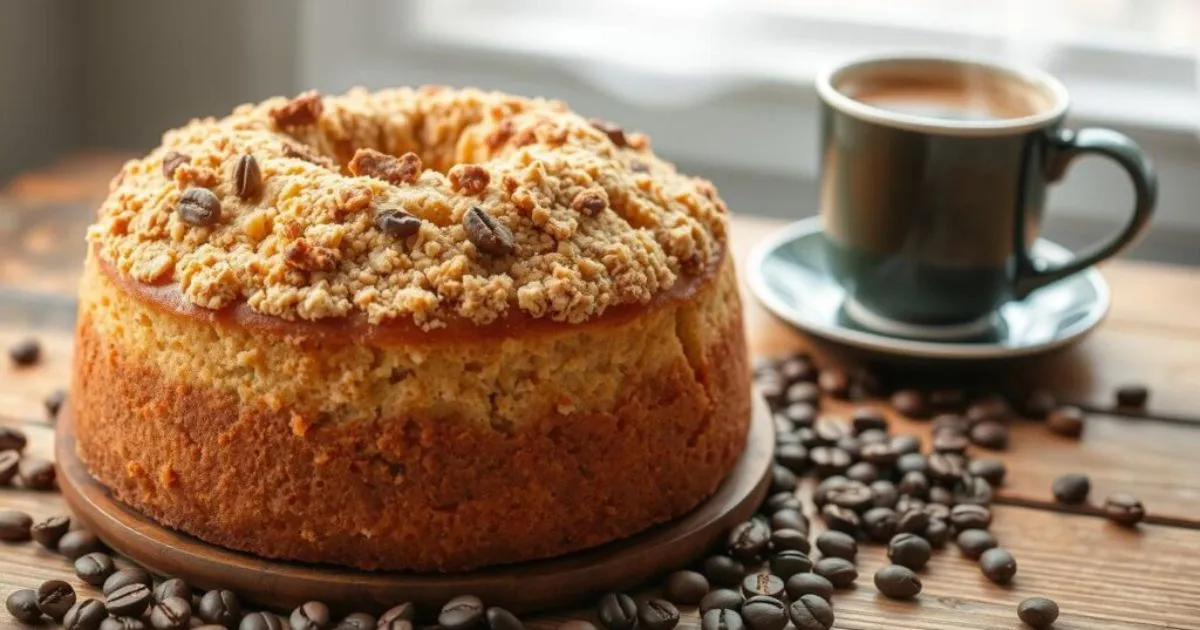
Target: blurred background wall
<point>723,87</point>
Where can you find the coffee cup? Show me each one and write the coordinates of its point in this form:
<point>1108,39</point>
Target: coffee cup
<point>933,182</point>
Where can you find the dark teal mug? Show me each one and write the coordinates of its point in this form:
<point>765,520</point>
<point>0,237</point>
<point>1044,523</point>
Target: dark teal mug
<point>933,180</point>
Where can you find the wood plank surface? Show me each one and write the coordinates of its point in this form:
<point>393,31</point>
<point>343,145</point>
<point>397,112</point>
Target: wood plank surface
<point>1102,576</point>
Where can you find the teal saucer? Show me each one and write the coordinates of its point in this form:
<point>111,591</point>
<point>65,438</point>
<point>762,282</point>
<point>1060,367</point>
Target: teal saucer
<point>787,272</point>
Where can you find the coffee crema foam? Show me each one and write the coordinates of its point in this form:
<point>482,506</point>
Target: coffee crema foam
<point>931,90</point>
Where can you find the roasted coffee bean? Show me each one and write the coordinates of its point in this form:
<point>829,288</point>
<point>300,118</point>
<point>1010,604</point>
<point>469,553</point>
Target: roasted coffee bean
<point>617,611</point>
<point>837,544</point>
<point>973,542</point>
<point>487,234</point>
<point>874,436</point>
<point>841,519</point>
<point>222,607</point>
<point>905,444</point>
<point>863,472</point>
<point>911,403</point>
<point>782,501</point>
<point>973,490</point>
<point>782,426</point>
<point>803,392</point>
<point>397,223</point>
<point>498,618</point>
<point>686,587</point>
<point>721,619</point>
<point>76,543</point>
<point>309,616</point>
<point>849,445</point>
<point>173,587</point>
<point>803,584</point>
<point>772,388</point>
<point>968,516</point>
<point>125,577</point>
<point>1132,396</point>
<point>834,382</point>
<point>47,533</point>
<point>950,422</point>
<point>831,429</point>
<point>764,613</point>
<point>811,613</point>
<point>173,160</point>
<point>802,414</point>
<point>868,418</point>
<point>988,408</point>
<point>794,457</point>
<point>1038,404</point>
<point>265,621</point>
<point>12,439</point>
<point>828,460</point>
<point>1072,488</point>
<point>130,600</point>
<point>762,584</point>
<point>789,520</point>
<point>914,484</point>
<point>786,540</point>
<point>10,463</point>
<point>937,533</point>
<point>748,540</point>
<point>912,522</point>
<point>909,550</point>
<point>839,571</point>
<point>950,441</point>
<point>990,470</point>
<point>998,565</point>
<point>53,403</point>
<point>725,571</point>
<point>852,495</point>
<point>1067,421</point>
<point>36,474</point>
<point>782,479</point>
<point>357,621</point>
<point>721,598</point>
<point>199,207</point>
<point>94,568</point>
<point>15,525</point>
<point>22,604</point>
<point>939,495</point>
<point>55,598</point>
<point>879,524</point>
<point>655,614</point>
<point>398,613</point>
<point>897,582</point>
<point>797,369</point>
<point>937,511</point>
<point>1038,612</point>
<point>787,563</point>
<point>821,493</point>
<point>884,493</point>
<point>24,353</point>
<point>247,177</point>
<point>87,614</point>
<point>908,504</point>
<point>172,613</point>
<point>878,455</point>
<point>990,434</point>
<point>946,467</point>
<point>1124,509</point>
<point>462,612</point>
<point>133,623</point>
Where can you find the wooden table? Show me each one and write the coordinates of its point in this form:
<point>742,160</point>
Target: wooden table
<point>1101,575</point>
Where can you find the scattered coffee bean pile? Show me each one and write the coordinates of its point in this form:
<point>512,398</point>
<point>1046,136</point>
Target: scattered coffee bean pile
<point>872,486</point>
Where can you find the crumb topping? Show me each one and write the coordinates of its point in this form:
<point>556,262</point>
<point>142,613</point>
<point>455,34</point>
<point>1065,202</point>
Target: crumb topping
<point>430,204</point>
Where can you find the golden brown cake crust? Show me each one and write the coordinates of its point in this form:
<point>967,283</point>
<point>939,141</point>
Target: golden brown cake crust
<point>282,206</point>
<point>617,440</point>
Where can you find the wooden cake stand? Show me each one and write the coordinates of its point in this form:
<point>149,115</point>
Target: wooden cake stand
<point>525,587</point>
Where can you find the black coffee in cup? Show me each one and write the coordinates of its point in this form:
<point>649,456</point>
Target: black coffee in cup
<point>933,178</point>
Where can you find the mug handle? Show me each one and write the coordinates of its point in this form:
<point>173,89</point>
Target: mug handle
<point>1065,146</point>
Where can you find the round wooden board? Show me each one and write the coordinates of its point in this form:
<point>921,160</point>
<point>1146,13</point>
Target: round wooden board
<point>526,587</point>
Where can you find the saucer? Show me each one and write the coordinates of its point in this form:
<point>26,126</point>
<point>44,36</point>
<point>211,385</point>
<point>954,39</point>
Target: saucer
<point>788,273</point>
